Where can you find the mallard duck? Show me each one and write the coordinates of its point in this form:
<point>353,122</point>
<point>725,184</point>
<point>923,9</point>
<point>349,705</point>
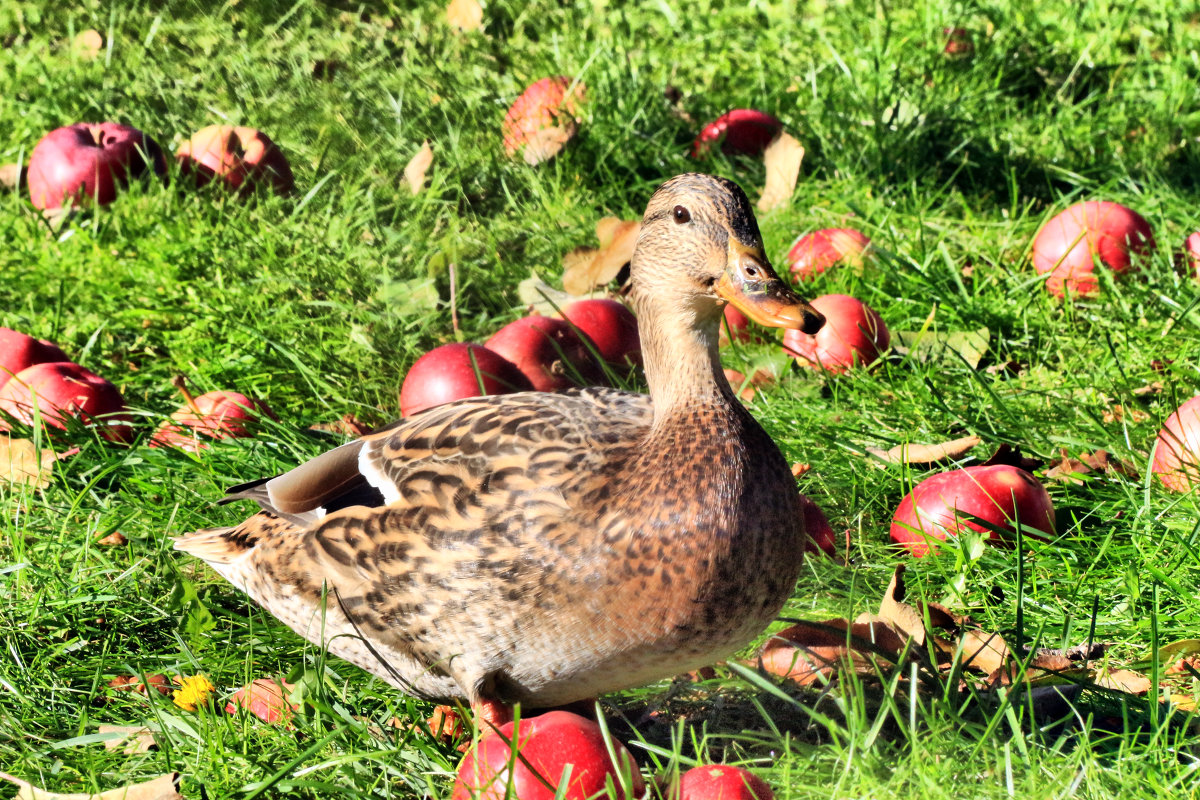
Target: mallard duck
<point>543,548</point>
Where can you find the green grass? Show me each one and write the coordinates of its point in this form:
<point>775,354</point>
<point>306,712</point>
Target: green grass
<point>945,163</point>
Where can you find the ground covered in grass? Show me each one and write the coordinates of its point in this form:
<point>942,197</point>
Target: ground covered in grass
<point>320,302</point>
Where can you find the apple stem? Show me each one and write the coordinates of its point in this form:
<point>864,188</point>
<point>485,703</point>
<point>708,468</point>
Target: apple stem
<point>180,383</point>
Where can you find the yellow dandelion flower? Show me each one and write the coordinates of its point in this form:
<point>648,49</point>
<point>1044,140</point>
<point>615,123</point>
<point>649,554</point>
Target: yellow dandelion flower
<point>192,692</point>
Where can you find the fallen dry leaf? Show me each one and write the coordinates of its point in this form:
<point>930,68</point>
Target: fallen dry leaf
<point>986,652</point>
<point>414,173</point>
<point>926,453</point>
<point>782,159</point>
<point>132,683</point>
<point>1154,387</point>
<point>116,538</point>
<point>164,787</point>
<point>1124,680</point>
<point>1119,413</point>
<point>809,650</point>
<point>466,15</point>
<point>1007,454</point>
<point>799,469</point>
<point>23,464</point>
<point>1069,469</point>
<point>584,271</point>
<point>1188,665</point>
<point>12,176</point>
<point>544,144</point>
<point>88,44</point>
<point>911,619</point>
<point>348,425</point>
<point>134,739</point>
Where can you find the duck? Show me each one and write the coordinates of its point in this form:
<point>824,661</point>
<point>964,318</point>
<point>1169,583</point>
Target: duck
<point>543,549</point>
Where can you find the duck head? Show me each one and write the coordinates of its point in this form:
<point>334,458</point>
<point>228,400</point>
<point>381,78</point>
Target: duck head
<point>700,248</point>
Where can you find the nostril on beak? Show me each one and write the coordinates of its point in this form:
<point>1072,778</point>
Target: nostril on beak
<point>813,320</point>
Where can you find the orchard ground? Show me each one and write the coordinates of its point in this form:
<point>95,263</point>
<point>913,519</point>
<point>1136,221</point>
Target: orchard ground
<point>318,303</point>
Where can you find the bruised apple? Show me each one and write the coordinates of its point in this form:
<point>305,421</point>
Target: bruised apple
<point>611,327</point>
<point>853,335</point>
<point>1177,451</point>
<point>457,370</point>
<point>543,119</point>
<point>20,350</point>
<point>89,160</point>
<point>219,414</point>
<point>815,252</point>
<point>1068,246</point>
<point>547,351</point>
<point>816,525</point>
<point>59,390</point>
<point>240,157</point>
<point>548,745</point>
<point>990,500</point>
<point>722,782</point>
<point>742,131</point>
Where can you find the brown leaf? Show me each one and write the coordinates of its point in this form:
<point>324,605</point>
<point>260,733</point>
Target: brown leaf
<point>617,240</point>
<point>414,173</point>
<point>164,787</point>
<point>12,176</point>
<point>1119,413</point>
<point>466,15</point>
<point>799,469</point>
<point>926,453</point>
<point>910,619</point>
<point>348,425</point>
<point>1124,680</point>
<point>132,683</point>
<point>809,650</point>
<point>983,651</point>
<point>1184,666</point>
<point>1069,468</point>
<point>782,159</point>
<point>116,538</point>
<point>134,739</point>
<point>88,44</point>
<point>23,464</point>
<point>1154,387</point>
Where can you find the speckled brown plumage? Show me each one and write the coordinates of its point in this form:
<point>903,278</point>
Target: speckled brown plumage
<point>544,548</point>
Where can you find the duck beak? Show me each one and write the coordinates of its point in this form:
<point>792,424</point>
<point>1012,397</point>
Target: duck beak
<point>751,286</point>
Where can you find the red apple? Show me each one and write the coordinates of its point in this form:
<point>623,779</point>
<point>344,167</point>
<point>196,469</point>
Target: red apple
<point>217,415</point>
<point>722,782</point>
<point>1067,246</point>
<point>265,698</point>
<point>1000,495</point>
<point>1177,452</point>
<point>454,371</point>
<point>20,350</point>
<point>611,327</point>
<point>853,335</point>
<point>959,42</point>
<point>548,744</point>
<point>62,389</point>
<point>815,252</point>
<point>742,131</point>
<point>547,351</point>
<point>816,525</point>
<point>240,157</point>
<point>543,119</point>
<point>91,159</point>
<point>736,327</point>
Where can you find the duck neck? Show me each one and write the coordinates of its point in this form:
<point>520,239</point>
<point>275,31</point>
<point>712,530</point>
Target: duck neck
<point>682,361</point>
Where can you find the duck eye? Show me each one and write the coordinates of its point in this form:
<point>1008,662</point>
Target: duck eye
<point>682,215</point>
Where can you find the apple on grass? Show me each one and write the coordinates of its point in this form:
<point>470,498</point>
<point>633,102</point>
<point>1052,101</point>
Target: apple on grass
<point>89,160</point>
<point>547,351</point>
<point>60,390</point>
<point>815,252</point>
<point>219,414</point>
<point>853,335</point>
<point>265,698</point>
<point>1068,246</point>
<point>742,131</point>
<point>20,350</point>
<point>543,119</point>
<point>240,157</point>
<point>722,782</point>
<point>456,371</point>
<point>547,746</point>
<point>1177,448</point>
<point>991,500</point>
<point>611,327</point>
